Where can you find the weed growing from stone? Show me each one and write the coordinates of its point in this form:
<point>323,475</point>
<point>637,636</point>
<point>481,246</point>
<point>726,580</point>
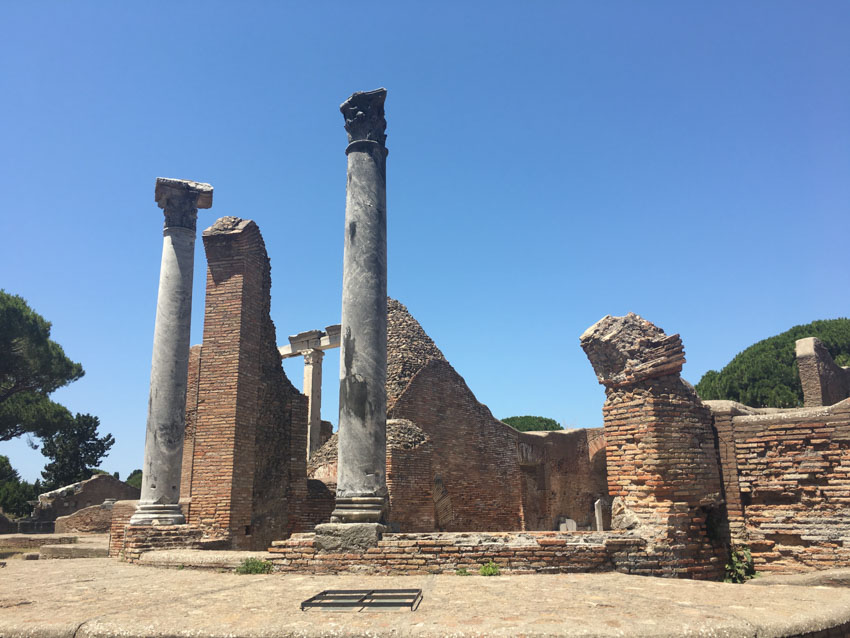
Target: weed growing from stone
<point>740,567</point>
<point>462,572</point>
<point>489,569</point>
<point>254,566</point>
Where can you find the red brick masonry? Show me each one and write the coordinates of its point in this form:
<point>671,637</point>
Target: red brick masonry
<point>446,552</point>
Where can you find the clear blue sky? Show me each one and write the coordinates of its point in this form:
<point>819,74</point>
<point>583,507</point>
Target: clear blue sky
<point>550,163</point>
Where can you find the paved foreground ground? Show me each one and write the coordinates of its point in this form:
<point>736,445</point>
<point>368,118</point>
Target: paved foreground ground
<point>102,597</point>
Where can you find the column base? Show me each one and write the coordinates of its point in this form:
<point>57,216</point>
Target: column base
<point>347,538</point>
<point>359,509</point>
<point>158,514</point>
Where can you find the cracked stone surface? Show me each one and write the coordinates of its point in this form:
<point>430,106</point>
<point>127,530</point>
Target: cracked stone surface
<point>102,597</point>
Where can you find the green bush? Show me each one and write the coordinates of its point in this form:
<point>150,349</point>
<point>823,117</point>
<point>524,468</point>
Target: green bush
<point>489,569</point>
<point>462,572</point>
<point>255,566</point>
<point>740,567</point>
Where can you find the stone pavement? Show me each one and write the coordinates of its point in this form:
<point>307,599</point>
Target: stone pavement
<point>102,597</point>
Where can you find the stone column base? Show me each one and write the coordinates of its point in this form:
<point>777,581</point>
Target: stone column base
<point>157,514</point>
<point>347,538</point>
<point>359,509</point>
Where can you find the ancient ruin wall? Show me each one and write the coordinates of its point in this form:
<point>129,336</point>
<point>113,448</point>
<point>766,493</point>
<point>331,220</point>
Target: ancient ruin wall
<point>790,471</point>
<point>824,382</point>
<point>189,433</point>
<point>248,414</point>
<point>410,477</point>
<point>67,500</point>
<point>475,455</point>
<point>563,476</point>
<point>662,462</point>
<point>409,349</point>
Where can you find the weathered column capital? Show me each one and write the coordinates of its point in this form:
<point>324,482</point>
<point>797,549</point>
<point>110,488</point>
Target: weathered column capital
<point>312,357</point>
<point>180,200</point>
<point>364,121</point>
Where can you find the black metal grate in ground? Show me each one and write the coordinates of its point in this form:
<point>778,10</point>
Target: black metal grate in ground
<point>340,598</point>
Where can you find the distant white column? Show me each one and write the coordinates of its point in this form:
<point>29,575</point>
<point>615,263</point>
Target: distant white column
<point>313,390</point>
<point>180,201</point>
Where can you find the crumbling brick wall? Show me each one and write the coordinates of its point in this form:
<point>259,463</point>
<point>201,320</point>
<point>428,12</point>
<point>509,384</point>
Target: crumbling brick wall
<point>790,470</point>
<point>663,471</point>
<point>480,478</point>
<point>409,477</point>
<point>67,500</point>
<point>475,454</point>
<point>90,520</point>
<point>563,476</point>
<point>121,513</point>
<point>249,427</point>
<point>189,433</point>
<point>409,349</point>
<point>824,382</point>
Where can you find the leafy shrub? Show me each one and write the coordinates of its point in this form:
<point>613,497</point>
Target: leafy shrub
<point>462,572</point>
<point>489,569</point>
<point>255,566</point>
<point>740,567</point>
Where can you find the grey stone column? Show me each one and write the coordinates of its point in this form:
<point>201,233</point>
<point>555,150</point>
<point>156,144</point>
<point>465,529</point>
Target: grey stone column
<point>313,390</point>
<point>361,472</point>
<point>180,201</point>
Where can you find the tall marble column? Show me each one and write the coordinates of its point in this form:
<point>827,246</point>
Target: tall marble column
<point>180,200</point>
<point>361,472</point>
<point>313,390</point>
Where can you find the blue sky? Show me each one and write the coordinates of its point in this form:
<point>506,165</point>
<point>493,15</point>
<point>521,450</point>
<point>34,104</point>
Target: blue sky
<point>550,163</point>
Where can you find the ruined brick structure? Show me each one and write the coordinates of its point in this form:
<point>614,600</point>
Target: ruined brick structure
<point>243,457</point>
<point>679,478</point>
<point>663,471</point>
<point>786,473</point>
<point>70,498</point>
<point>471,472</point>
<point>824,382</point>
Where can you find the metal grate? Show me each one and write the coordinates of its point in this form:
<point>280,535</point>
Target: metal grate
<point>333,598</point>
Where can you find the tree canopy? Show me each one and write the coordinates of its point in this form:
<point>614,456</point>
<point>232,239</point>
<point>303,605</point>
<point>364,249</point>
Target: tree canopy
<point>532,423</point>
<point>15,494</point>
<point>765,374</point>
<point>74,451</point>
<point>31,367</point>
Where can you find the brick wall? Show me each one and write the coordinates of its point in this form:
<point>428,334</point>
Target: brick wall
<point>824,382</point>
<point>563,476</point>
<point>516,553</point>
<point>410,477</point>
<point>475,454</point>
<point>121,513</point>
<point>189,433</point>
<point>67,500</point>
<point>662,462</point>
<point>249,421</point>
<point>793,475</point>
<point>94,519</point>
<point>144,538</point>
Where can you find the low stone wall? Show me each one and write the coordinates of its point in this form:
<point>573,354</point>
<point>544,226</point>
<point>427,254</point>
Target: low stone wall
<point>26,541</point>
<point>793,472</point>
<point>435,553</point>
<point>144,538</point>
<point>121,513</point>
<point>93,519</point>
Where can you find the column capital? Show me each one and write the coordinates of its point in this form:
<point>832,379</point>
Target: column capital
<point>313,356</point>
<point>180,200</point>
<point>364,120</point>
